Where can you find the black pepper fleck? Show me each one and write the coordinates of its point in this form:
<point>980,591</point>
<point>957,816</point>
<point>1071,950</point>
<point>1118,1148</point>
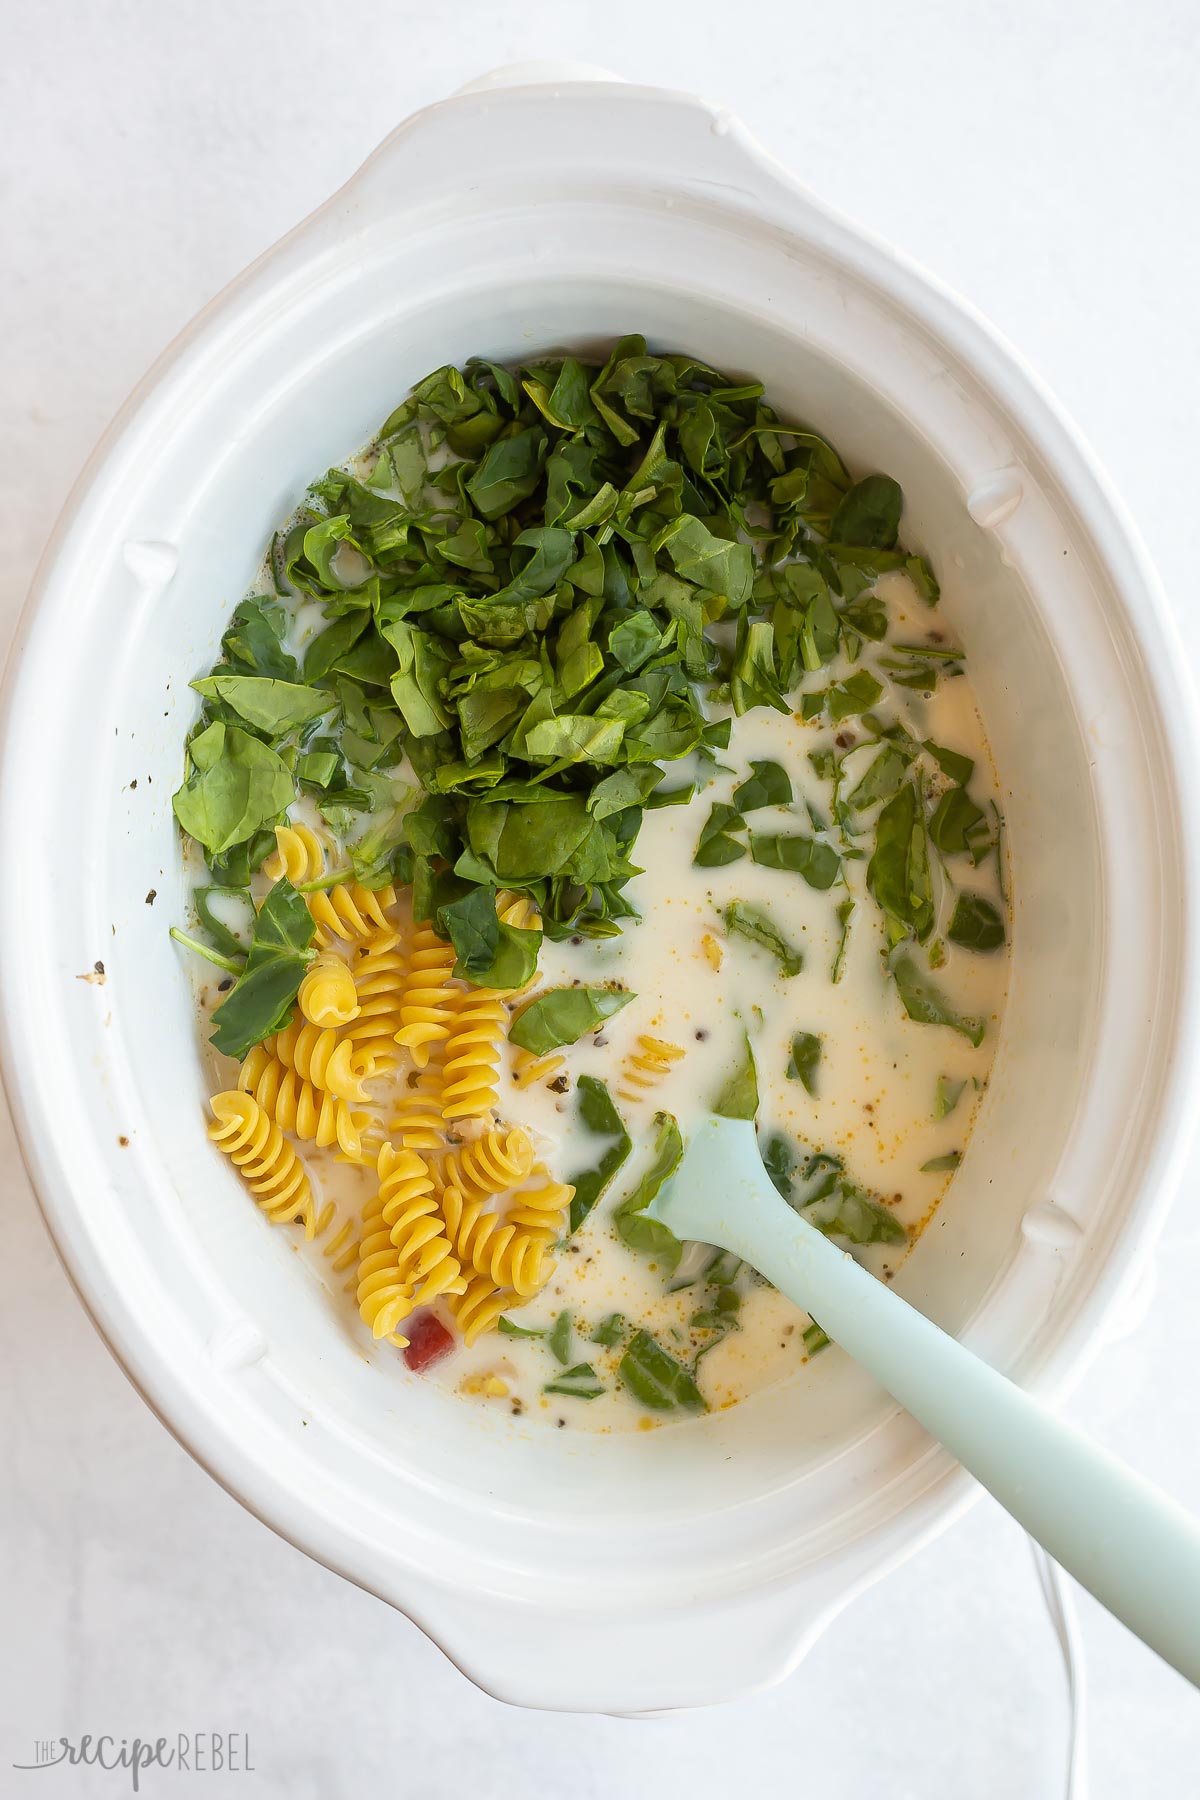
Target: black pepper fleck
<point>844,740</point>
<point>152,896</point>
<point>701,1035</point>
<point>99,967</point>
<point>124,1142</point>
<point>559,1085</point>
<point>223,987</point>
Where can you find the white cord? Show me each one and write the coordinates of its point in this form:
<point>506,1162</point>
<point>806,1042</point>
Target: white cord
<point>1060,1604</point>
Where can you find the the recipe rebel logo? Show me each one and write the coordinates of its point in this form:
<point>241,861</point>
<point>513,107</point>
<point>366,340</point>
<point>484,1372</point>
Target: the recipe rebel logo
<point>192,1753</point>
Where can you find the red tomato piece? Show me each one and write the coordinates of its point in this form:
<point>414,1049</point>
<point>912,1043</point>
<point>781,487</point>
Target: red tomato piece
<point>428,1341</point>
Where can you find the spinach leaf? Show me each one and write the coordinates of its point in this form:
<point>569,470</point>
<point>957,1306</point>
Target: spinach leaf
<point>716,846</point>
<point>748,922</point>
<point>253,642</point>
<point>818,863</point>
<point>506,1328</point>
<point>924,1002</point>
<point>953,763</point>
<point>839,1207</point>
<point>599,1116</point>
<point>869,514</point>
<point>489,952</point>
<point>814,1339</point>
<point>844,914</point>
<point>857,694</point>
<point>650,1236</point>
<point>956,822</point>
<point>610,1331</point>
<point>767,785</point>
<point>738,1099</point>
<point>260,1001</point>
<point>881,781</point>
<point>805,1060</point>
<point>276,707</point>
<point>779,1160</point>
<point>947,1096</point>
<point>941,1165</point>
<point>560,1338</point>
<point>225,939</point>
<point>578,1383</point>
<point>562,1015</point>
<point>654,1378</point>
<point>898,873</point>
<point>976,924</point>
<point>238,785</point>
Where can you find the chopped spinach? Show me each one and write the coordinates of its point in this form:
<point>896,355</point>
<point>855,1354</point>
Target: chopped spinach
<point>654,1378</point>
<point>748,922</point>
<point>562,1015</point>
<point>261,999</point>
<point>805,1060</point>
<point>651,1236</point>
<point>599,1116</point>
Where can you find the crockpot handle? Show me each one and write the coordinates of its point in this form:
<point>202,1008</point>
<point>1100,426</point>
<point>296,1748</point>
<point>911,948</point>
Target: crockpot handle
<point>1131,1545</point>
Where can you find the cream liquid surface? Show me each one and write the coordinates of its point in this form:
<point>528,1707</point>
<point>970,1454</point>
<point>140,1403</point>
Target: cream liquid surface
<point>700,989</point>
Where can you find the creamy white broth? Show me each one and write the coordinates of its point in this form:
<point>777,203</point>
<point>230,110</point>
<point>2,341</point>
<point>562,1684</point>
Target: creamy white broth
<point>708,991</point>
<point>876,1084</point>
<point>701,989</point>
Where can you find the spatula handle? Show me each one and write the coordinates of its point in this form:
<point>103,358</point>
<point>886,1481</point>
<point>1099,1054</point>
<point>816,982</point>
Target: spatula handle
<point>1132,1546</point>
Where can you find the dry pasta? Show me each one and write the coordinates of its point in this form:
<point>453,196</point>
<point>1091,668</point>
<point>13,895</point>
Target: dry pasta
<point>478,1308</point>
<point>328,996</point>
<point>472,1077</point>
<point>417,1120</point>
<point>648,1064</point>
<point>409,1209</point>
<point>378,974</point>
<point>323,1057</point>
<point>530,1070</point>
<point>491,1165</point>
<point>427,1004</point>
<point>266,1161</point>
<point>350,911</point>
<point>299,855</point>
<point>308,1112</point>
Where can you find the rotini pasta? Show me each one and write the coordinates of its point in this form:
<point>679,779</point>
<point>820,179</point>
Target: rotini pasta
<point>267,1163</point>
<point>328,996</point>
<point>378,974</point>
<point>417,1120</point>
<point>323,1057</point>
<point>299,854</point>
<point>510,1254</point>
<point>542,1206</point>
<point>341,1245</point>
<point>409,1209</point>
<point>384,1297</point>
<point>530,1070</point>
<point>491,1165</point>
<point>478,1307</point>
<point>350,911</point>
<point>472,1077</point>
<point>427,1005</point>
<point>646,1065</point>
<point>309,1112</point>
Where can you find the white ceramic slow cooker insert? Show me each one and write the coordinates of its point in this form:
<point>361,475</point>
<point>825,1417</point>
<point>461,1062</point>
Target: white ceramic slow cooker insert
<point>560,1569</point>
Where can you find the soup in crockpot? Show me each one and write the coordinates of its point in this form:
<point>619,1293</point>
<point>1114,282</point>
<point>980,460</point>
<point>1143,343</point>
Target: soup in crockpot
<point>589,755</point>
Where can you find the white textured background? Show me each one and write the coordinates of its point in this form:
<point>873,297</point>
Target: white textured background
<point>1043,159</point>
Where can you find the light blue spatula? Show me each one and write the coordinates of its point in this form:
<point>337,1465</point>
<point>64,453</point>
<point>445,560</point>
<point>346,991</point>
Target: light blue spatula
<point>1133,1547</point>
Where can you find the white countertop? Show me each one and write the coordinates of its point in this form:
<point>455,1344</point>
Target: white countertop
<point>1043,161</point>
